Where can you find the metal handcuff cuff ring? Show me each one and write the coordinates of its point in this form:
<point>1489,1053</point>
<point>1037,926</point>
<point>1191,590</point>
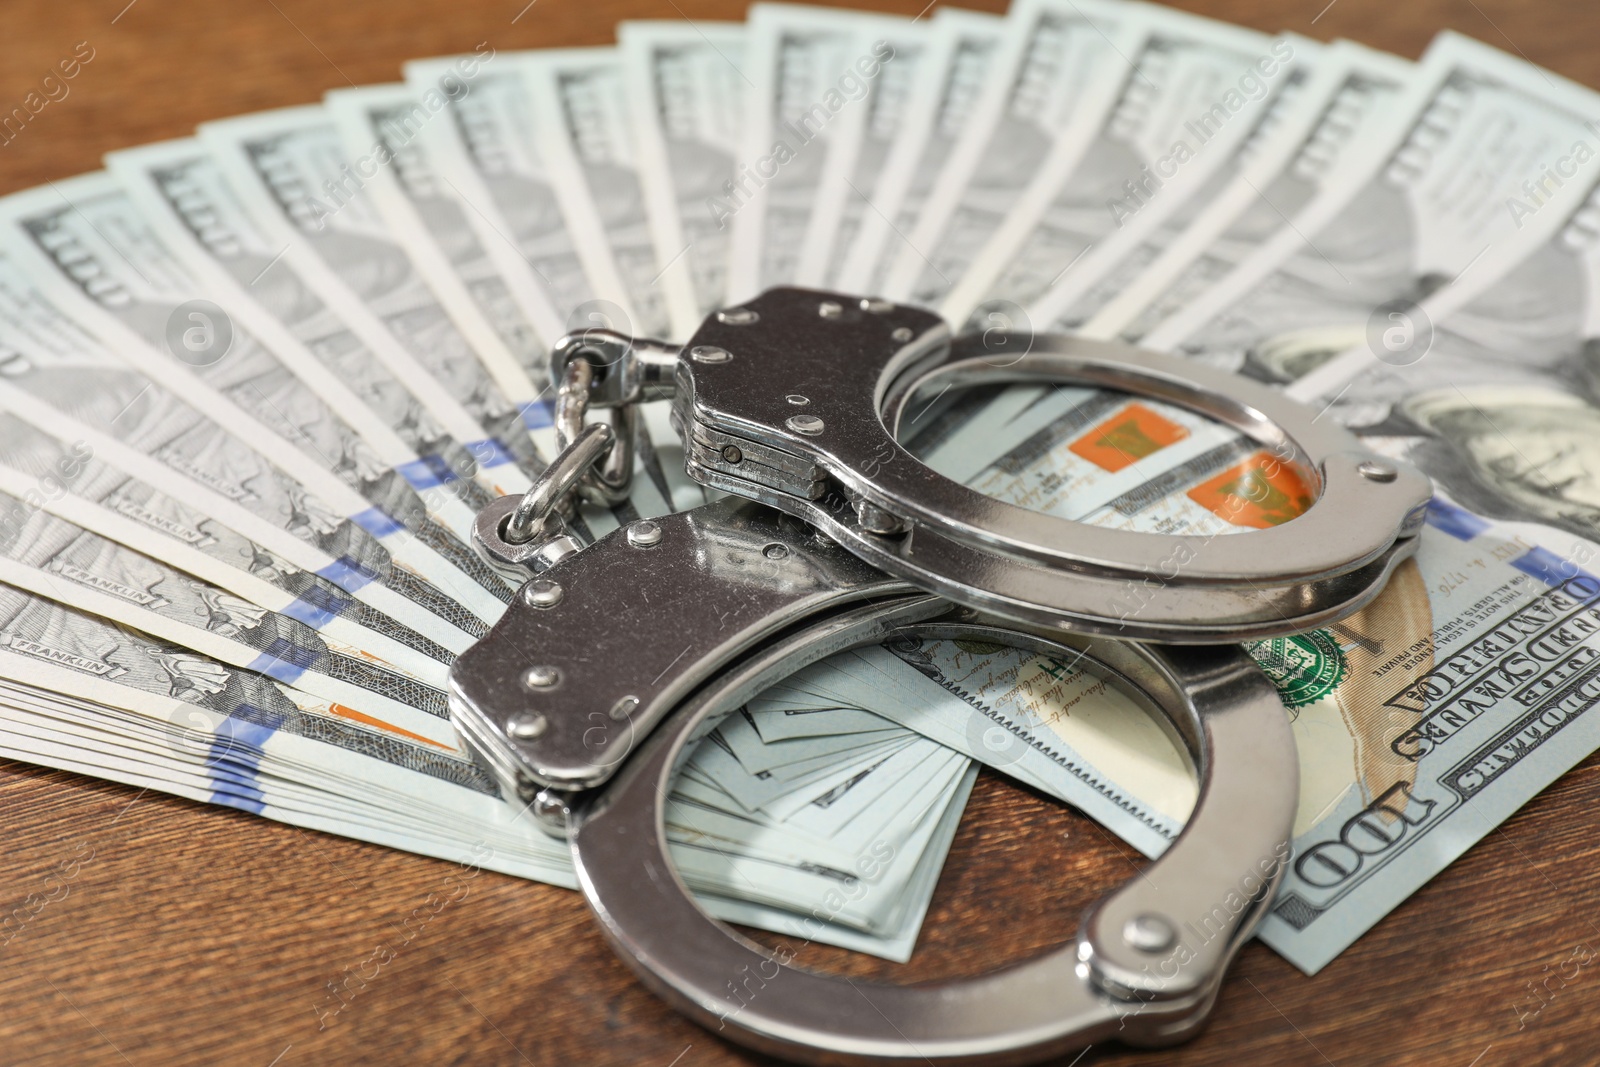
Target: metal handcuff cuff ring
<point>614,660</point>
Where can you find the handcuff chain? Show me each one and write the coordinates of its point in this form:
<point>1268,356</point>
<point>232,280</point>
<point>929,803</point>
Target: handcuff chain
<point>596,459</point>
<point>608,478</point>
<point>558,481</point>
<point>596,466</point>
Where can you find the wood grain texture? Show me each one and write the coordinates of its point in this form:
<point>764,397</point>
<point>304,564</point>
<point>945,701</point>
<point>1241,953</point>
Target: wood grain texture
<point>192,935</point>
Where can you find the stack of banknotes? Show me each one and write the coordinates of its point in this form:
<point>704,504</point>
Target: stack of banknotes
<point>254,385</point>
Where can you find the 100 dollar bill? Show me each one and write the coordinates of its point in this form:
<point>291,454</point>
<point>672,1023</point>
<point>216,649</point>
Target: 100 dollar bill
<point>1421,721</point>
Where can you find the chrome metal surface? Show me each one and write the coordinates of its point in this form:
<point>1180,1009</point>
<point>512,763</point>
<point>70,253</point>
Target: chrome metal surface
<point>542,593</point>
<point>540,677</point>
<point>628,370</point>
<point>607,668</point>
<point>518,559</point>
<point>854,363</point>
<point>644,534</point>
<point>635,629</point>
<point>550,810</point>
<point>1147,961</point>
<point>593,687</point>
<point>843,471</point>
<point>709,354</point>
<point>600,368</point>
<point>538,505</point>
<point>572,400</point>
<point>608,478</point>
<point>525,726</point>
<point>1378,471</point>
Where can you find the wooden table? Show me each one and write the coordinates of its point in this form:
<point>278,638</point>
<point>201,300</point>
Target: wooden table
<point>193,935</point>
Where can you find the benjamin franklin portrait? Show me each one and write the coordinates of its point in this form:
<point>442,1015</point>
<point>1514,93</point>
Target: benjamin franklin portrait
<point>1503,408</point>
<point>1529,452</point>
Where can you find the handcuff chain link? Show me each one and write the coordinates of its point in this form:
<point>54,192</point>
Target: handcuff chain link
<point>609,477</point>
<point>595,460</point>
<point>554,487</point>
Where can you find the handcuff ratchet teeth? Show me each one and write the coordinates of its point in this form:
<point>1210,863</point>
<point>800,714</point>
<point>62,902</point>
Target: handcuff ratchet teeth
<point>614,660</point>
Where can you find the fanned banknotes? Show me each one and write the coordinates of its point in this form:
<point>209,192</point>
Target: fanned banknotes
<point>255,385</point>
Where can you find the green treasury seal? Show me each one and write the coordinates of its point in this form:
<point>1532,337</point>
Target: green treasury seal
<point>1305,667</point>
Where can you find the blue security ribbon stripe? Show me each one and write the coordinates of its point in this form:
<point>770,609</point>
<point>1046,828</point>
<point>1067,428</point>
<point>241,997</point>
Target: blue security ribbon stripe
<point>234,762</point>
<point>348,574</point>
<point>490,452</point>
<point>427,472</point>
<point>317,607</point>
<point>1459,523</point>
<point>284,661</point>
<point>1550,568</point>
<point>377,522</point>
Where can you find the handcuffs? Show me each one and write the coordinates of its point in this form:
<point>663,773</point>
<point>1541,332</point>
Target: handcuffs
<point>615,659</point>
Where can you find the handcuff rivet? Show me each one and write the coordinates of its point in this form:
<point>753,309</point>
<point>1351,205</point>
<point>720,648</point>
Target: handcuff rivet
<point>527,725</point>
<point>550,807</point>
<point>540,677</point>
<point>709,354</point>
<point>644,534</point>
<point>903,334</point>
<point>809,425</point>
<point>876,305</point>
<point>1377,471</point>
<point>776,551</point>
<point>1149,933</point>
<point>874,519</point>
<point>797,400</point>
<point>737,317</point>
<point>830,309</point>
<point>624,708</point>
<point>731,454</point>
<point>542,593</point>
